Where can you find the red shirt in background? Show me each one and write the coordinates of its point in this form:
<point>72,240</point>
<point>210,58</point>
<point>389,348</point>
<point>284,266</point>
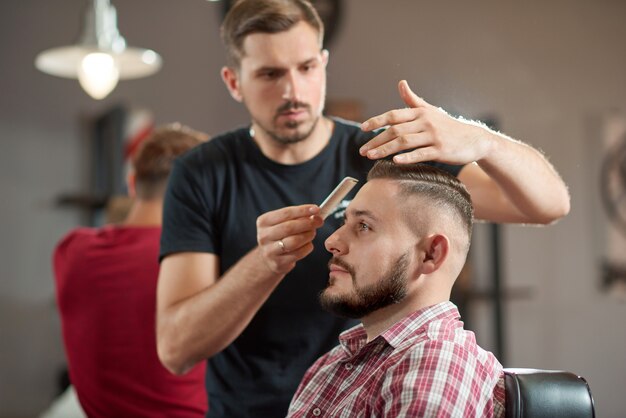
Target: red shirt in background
<point>106,282</point>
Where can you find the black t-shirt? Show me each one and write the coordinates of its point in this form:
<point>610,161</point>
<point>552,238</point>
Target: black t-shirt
<point>215,194</point>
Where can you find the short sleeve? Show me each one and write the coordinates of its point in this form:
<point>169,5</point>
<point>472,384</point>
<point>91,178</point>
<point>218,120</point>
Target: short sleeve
<point>187,214</point>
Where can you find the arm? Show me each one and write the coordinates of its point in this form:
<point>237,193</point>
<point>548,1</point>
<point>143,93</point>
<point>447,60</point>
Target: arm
<point>192,298</point>
<point>510,182</point>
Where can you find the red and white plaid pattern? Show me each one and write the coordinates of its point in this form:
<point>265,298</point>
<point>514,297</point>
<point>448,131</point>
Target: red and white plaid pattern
<point>426,365</point>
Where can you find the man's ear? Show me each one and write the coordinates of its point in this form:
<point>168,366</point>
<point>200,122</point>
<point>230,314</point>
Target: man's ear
<point>435,253</point>
<point>325,55</point>
<point>231,79</point>
<point>131,180</point>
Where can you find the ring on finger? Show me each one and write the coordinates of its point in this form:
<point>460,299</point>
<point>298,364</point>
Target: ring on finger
<point>281,244</point>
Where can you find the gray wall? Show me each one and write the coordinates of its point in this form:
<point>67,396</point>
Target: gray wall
<point>547,70</point>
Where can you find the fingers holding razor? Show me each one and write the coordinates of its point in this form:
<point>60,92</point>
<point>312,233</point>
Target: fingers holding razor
<point>286,235</point>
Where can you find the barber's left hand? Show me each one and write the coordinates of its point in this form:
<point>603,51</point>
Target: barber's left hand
<point>430,132</point>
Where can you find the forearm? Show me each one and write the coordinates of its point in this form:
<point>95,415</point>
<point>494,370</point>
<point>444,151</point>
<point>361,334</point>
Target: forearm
<point>526,179</point>
<point>203,324</point>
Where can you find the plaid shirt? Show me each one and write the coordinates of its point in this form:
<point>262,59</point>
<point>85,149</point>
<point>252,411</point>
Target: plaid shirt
<point>425,365</point>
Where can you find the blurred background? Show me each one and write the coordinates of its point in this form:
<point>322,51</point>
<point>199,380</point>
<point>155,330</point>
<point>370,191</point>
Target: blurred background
<point>552,74</point>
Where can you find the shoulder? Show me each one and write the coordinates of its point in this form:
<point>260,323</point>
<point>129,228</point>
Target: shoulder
<point>439,376</point>
<point>441,347</point>
<point>77,236</point>
<point>73,245</point>
<point>433,353</point>
<point>349,130</point>
<point>208,161</point>
<point>225,144</point>
<point>443,343</point>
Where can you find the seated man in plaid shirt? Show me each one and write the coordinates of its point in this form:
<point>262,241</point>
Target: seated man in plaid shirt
<point>405,239</point>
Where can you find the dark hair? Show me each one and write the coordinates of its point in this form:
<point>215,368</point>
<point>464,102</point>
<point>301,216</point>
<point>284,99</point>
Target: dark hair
<point>264,16</point>
<point>153,161</point>
<point>443,190</point>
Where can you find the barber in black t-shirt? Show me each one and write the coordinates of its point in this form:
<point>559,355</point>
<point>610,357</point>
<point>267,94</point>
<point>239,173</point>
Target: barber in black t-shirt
<point>242,260</point>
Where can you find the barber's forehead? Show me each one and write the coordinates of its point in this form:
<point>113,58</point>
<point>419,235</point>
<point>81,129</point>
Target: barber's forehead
<point>299,35</point>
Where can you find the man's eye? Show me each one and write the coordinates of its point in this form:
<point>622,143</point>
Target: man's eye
<point>363,226</point>
<point>269,75</point>
<point>308,67</point>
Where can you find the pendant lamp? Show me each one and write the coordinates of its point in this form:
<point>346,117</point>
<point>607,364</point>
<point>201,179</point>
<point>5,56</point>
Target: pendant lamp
<point>101,57</point>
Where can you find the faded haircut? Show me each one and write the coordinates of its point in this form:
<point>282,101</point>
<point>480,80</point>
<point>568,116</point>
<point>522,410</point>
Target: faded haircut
<point>264,16</point>
<point>153,161</point>
<point>441,189</point>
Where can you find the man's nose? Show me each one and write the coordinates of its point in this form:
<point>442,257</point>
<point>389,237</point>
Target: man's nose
<point>292,87</point>
<point>334,244</point>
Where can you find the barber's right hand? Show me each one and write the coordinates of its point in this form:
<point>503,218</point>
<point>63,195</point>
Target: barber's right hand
<point>285,235</point>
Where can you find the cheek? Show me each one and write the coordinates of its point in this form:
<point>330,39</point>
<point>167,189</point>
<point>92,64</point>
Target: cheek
<point>259,94</point>
<point>317,87</point>
<point>368,265</point>
<point>375,260</point>
<point>259,103</point>
<point>258,97</point>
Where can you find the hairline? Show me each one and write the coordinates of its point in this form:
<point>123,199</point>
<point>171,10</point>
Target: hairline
<point>234,42</point>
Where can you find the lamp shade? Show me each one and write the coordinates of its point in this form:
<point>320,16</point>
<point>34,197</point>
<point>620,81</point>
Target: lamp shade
<point>87,60</point>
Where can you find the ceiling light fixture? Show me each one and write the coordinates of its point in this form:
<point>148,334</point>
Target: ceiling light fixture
<point>101,57</point>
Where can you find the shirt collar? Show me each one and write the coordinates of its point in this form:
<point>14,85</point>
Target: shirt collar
<point>355,338</point>
<point>417,322</point>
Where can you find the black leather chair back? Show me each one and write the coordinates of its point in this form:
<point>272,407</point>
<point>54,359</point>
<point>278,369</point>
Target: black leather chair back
<point>534,393</point>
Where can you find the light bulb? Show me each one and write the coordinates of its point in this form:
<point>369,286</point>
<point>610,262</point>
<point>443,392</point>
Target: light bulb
<point>98,74</point>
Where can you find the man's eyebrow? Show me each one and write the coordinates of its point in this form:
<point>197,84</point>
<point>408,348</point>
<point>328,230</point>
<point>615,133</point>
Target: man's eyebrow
<point>268,68</point>
<point>360,213</point>
<point>310,61</point>
<point>280,68</point>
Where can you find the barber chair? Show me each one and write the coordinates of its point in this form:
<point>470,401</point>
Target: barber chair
<point>533,393</point>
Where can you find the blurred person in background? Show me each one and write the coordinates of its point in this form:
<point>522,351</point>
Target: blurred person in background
<point>106,280</point>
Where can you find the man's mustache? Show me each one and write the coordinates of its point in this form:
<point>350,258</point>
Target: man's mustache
<point>287,106</point>
<point>339,262</point>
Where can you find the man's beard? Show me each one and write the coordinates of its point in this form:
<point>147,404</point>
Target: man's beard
<point>296,135</point>
<point>391,289</point>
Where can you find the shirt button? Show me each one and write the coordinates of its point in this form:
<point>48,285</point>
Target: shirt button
<point>317,412</point>
<point>348,366</point>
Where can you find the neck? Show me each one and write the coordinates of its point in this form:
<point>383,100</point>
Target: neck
<point>381,320</point>
<point>298,152</point>
<point>145,213</point>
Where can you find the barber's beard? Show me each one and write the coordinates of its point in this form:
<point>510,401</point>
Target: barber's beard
<point>362,301</point>
<point>291,132</point>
